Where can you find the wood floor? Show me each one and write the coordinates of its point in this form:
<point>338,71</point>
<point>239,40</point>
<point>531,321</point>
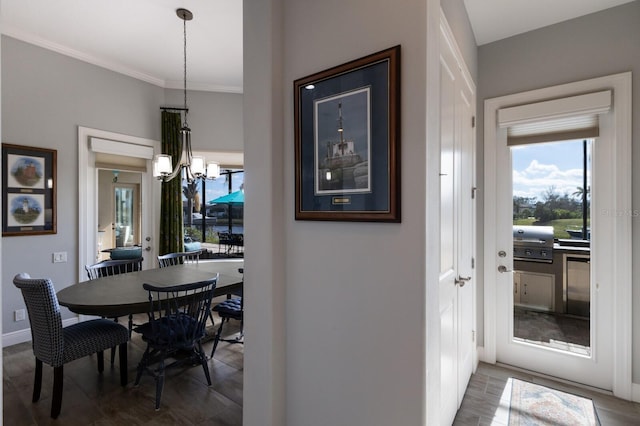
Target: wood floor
<point>93,399</point>
<point>484,404</point>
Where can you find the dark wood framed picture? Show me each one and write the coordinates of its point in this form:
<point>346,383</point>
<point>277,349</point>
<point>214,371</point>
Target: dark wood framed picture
<point>28,190</point>
<point>347,141</point>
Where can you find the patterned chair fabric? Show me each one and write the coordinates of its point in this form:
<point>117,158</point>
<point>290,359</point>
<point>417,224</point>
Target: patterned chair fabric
<point>180,258</point>
<point>177,322</point>
<point>55,345</point>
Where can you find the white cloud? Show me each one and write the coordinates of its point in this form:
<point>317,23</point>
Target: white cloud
<point>537,178</point>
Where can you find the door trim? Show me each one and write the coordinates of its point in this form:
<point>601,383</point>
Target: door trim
<point>620,135</point>
<point>88,196</point>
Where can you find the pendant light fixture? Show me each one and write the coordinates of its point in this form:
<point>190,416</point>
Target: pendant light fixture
<point>194,166</point>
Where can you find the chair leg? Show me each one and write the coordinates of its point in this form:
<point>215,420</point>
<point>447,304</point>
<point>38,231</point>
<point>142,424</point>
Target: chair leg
<point>113,355</point>
<point>56,400</point>
<point>217,338</point>
<point>100,361</point>
<point>130,324</point>
<point>141,366</point>
<point>37,382</point>
<point>203,361</point>
<point>123,365</point>
<point>159,383</point>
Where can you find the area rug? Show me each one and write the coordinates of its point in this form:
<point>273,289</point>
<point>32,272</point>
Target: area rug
<point>538,405</point>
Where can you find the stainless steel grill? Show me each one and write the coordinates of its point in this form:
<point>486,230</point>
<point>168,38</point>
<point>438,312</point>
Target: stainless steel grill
<point>533,243</point>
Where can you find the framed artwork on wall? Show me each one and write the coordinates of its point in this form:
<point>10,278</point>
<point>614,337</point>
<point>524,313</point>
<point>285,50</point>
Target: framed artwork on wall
<point>347,141</point>
<point>28,190</point>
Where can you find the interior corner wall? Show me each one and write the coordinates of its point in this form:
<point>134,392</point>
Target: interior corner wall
<point>354,291</point>
<point>591,46</point>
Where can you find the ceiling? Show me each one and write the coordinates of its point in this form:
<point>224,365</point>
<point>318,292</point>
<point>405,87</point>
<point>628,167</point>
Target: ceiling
<point>144,38</point>
<point>140,38</point>
<point>494,20</point>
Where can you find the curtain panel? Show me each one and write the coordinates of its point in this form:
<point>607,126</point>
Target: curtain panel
<point>171,230</point>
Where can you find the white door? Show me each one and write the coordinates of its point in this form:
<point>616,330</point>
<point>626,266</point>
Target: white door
<point>99,149</point>
<point>457,233</point>
<point>608,310</point>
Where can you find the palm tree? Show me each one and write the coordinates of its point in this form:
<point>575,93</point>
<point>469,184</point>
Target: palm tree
<point>580,191</point>
<point>190,192</point>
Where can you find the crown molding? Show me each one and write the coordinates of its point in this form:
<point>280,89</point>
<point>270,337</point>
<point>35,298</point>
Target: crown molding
<point>26,37</point>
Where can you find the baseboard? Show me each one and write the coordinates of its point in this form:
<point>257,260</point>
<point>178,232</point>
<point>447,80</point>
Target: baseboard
<point>635,392</point>
<point>21,336</point>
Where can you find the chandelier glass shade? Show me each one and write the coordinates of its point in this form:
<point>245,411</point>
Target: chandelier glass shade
<point>193,166</point>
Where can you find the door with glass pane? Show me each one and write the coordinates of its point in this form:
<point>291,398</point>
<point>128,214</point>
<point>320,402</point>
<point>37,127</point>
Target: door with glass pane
<point>548,189</point>
<point>126,223</point>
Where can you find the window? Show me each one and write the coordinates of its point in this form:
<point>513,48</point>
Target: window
<point>203,218</point>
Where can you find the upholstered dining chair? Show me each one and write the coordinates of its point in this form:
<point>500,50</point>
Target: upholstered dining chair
<point>171,259</point>
<point>107,268</point>
<point>230,309</point>
<point>56,345</point>
<point>177,323</point>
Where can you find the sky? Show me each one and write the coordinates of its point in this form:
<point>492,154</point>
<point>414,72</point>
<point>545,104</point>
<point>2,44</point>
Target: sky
<point>537,167</point>
<point>219,187</point>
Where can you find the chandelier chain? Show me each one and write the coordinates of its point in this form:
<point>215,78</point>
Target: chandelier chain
<point>184,22</point>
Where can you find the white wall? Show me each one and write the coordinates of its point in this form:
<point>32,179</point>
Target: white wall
<point>591,46</point>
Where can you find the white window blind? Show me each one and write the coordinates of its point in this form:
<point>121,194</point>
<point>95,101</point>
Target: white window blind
<point>575,117</point>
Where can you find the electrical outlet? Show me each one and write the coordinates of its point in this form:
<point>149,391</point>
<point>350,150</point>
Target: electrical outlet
<point>19,315</point>
<point>60,257</point>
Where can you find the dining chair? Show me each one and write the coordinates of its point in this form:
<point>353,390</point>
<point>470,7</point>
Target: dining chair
<point>107,268</point>
<point>56,345</point>
<point>230,309</point>
<point>171,259</point>
<point>177,323</point>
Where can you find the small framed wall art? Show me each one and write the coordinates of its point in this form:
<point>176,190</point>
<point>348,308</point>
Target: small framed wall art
<point>28,190</point>
<point>347,141</point>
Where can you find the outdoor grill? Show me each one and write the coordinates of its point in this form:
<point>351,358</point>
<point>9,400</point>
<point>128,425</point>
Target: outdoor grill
<point>533,243</point>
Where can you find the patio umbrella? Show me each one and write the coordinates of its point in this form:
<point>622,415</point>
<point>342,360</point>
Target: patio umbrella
<point>233,199</point>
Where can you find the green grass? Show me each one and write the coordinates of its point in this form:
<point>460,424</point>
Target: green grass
<point>559,225</point>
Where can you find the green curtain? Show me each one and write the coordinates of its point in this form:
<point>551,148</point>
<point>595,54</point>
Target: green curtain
<point>171,230</point>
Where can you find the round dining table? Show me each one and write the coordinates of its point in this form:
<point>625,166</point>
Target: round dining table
<point>120,295</point>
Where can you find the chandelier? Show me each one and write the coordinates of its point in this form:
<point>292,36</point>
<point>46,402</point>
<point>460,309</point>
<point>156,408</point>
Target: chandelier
<point>193,165</point>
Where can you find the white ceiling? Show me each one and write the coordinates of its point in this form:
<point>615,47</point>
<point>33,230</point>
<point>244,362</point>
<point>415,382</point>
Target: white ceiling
<point>140,38</point>
<point>144,38</point>
<point>493,20</point>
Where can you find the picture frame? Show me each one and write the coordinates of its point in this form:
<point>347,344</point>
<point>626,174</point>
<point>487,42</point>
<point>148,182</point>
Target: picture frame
<point>29,183</point>
<point>347,141</point>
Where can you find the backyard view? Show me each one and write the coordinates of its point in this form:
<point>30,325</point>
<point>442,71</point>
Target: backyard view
<point>549,182</point>
<point>213,213</point>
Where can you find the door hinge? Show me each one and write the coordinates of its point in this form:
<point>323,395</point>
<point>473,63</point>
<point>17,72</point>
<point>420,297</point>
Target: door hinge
<point>473,335</point>
<point>473,263</point>
<point>473,121</point>
<point>473,192</point>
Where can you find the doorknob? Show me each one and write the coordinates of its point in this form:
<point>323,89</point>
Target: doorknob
<point>461,281</point>
<point>148,248</point>
<point>502,269</point>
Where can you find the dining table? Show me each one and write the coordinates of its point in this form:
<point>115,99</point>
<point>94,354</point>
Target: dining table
<point>120,295</point>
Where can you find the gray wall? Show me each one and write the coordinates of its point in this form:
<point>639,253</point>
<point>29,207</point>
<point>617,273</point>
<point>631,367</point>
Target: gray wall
<point>215,118</point>
<point>591,46</point>
<point>45,97</point>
